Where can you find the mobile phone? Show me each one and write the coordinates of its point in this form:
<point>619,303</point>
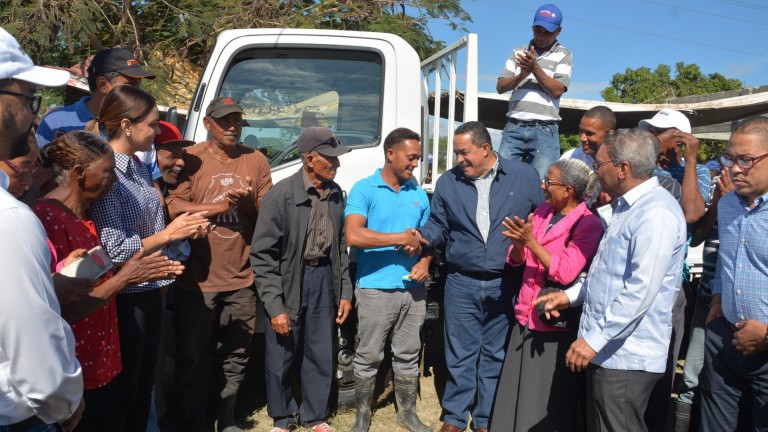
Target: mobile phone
<point>92,265</point>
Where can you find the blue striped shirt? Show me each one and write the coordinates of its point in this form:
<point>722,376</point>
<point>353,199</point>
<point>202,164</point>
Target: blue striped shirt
<point>130,212</point>
<point>742,266</point>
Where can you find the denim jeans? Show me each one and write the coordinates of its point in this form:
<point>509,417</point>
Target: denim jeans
<point>476,331</point>
<point>694,357</point>
<point>732,384</point>
<point>533,143</point>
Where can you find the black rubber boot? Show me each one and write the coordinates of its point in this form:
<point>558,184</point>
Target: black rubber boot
<point>405,396</point>
<point>682,417</point>
<point>363,399</point>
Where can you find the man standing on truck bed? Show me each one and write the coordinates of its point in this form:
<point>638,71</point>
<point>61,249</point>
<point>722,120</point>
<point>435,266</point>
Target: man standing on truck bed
<point>381,212</point>
<point>538,74</point>
<point>299,258</point>
<point>215,300</point>
<point>469,204</point>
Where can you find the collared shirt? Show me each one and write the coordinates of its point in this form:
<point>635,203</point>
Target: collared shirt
<point>129,213</point>
<point>633,281</point>
<point>319,226</point>
<point>39,374</point>
<point>529,101</point>
<point>742,267</point>
<point>483,212</point>
<point>386,211</point>
<point>4,180</point>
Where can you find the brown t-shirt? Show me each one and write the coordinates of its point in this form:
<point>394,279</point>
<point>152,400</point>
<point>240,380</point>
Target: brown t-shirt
<point>220,262</point>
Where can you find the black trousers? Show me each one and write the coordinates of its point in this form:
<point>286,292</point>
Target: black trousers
<point>617,399</point>
<point>101,409</point>
<point>139,318</point>
<point>213,332</point>
<point>311,334</point>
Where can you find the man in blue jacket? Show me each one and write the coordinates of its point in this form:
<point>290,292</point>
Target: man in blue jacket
<point>469,204</point>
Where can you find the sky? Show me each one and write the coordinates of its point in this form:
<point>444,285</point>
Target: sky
<point>606,37</point>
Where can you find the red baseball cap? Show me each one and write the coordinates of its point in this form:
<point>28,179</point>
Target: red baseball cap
<point>170,135</point>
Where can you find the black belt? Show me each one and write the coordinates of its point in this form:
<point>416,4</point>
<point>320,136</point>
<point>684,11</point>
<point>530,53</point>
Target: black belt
<point>25,425</point>
<point>317,262</point>
<point>480,275</point>
<point>531,122</point>
<point>730,325</point>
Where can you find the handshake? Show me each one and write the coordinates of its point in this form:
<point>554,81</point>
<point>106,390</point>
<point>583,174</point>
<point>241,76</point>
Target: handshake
<point>412,242</point>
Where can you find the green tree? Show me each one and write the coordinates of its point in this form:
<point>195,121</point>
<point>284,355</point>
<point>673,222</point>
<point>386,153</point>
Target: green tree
<point>642,85</point>
<point>63,32</point>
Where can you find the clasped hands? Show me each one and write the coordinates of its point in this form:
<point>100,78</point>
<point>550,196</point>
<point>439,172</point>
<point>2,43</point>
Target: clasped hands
<point>412,242</point>
<point>527,61</point>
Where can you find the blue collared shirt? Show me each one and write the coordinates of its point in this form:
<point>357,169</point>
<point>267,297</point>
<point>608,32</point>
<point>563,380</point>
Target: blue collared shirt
<point>130,212</point>
<point>742,266</point>
<point>633,281</point>
<point>386,211</point>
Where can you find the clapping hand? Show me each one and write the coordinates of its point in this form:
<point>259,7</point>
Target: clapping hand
<point>518,230</point>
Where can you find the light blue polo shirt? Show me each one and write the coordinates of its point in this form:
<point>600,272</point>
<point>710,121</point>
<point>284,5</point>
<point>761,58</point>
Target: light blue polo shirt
<point>386,211</point>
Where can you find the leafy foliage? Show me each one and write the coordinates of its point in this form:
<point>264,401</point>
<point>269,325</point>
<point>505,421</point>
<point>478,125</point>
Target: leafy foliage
<point>164,32</point>
<point>645,86</point>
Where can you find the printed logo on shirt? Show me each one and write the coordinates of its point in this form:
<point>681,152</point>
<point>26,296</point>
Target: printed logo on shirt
<point>228,224</point>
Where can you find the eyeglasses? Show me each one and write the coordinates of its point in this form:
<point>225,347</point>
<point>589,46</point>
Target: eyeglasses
<point>34,100</point>
<point>596,165</point>
<point>743,162</point>
<point>548,183</point>
<point>19,170</point>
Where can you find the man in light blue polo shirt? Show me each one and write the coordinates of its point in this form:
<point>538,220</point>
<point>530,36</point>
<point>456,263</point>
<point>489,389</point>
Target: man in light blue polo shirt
<point>382,213</point>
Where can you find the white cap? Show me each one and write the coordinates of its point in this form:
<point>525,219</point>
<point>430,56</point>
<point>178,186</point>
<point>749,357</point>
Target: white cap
<point>665,119</point>
<point>15,63</point>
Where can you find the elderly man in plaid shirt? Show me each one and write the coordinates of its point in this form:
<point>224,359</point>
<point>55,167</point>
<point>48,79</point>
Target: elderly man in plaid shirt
<point>736,359</point>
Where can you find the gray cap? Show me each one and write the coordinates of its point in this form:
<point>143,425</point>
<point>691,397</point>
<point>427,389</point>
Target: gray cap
<point>321,140</point>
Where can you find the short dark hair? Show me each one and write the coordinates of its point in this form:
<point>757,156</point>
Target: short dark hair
<point>477,131</point>
<point>399,135</point>
<point>604,114</point>
<point>753,126</point>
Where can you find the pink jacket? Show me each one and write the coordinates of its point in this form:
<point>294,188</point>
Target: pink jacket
<point>566,262</point>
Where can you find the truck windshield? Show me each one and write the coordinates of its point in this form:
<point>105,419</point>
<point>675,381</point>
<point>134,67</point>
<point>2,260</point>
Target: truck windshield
<point>283,91</point>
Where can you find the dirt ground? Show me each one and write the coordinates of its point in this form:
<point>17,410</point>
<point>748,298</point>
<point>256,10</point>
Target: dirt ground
<point>427,406</point>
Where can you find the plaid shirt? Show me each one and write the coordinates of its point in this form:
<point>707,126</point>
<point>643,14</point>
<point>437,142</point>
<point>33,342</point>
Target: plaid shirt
<point>130,212</point>
<point>742,267</point>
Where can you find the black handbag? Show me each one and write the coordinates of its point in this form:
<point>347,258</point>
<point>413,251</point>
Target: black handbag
<point>569,318</point>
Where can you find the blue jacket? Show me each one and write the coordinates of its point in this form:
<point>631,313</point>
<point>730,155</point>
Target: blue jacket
<point>516,191</point>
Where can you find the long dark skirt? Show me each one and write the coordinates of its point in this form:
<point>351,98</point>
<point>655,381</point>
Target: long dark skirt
<point>536,391</point>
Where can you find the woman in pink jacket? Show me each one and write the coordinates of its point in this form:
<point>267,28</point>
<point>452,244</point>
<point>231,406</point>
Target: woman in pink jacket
<point>536,391</point>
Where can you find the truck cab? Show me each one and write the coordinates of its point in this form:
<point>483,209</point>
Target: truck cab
<point>361,85</point>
